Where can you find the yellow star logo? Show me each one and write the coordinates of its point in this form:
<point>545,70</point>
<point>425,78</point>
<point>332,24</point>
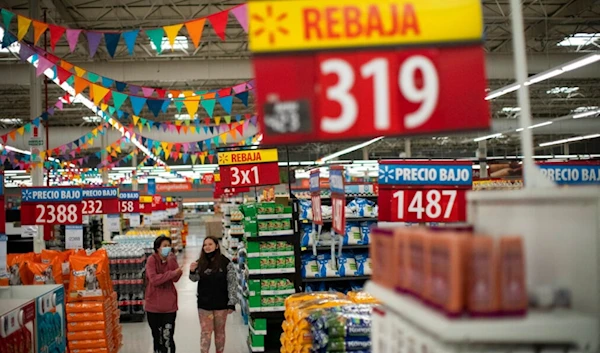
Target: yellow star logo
<point>223,158</point>
<point>271,24</point>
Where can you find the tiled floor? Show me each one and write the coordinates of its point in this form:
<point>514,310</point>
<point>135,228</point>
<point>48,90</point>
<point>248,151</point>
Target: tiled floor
<point>137,337</point>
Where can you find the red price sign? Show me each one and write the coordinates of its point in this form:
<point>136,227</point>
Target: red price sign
<point>100,201</point>
<point>129,202</point>
<point>51,206</point>
<point>338,213</point>
<point>316,209</point>
<point>425,205</point>
<point>249,174</point>
<point>208,178</point>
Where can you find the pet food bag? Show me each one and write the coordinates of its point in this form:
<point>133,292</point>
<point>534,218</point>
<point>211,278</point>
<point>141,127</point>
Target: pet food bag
<point>310,267</point>
<point>89,278</point>
<point>48,273</point>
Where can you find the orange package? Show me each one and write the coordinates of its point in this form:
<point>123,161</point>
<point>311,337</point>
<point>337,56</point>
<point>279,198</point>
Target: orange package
<point>82,317</point>
<point>89,278</point>
<point>85,326</point>
<point>50,273</point>
<point>86,335</point>
<point>86,307</point>
<point>102,254</point>
<point>91,350</point>
<point>17,269</point>
<point>88,344</point>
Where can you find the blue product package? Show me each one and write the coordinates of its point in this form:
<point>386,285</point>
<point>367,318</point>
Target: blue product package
<point>365,230</point>
<point>309,266</point>
<point>346,264</point>
<point>306,235</point>
<point>352,234</point>
<point>362,207</point>
<point>326,268</point>
<point>305,207</point>
<point>363,265</point>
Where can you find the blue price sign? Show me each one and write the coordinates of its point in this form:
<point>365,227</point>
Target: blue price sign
<point>571,173</point>
<point>429,174</point>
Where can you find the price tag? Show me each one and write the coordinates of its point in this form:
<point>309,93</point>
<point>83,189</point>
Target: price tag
<point>74,237</point>
<point>338,199</point>
<point>129,202</point>
<point>379,88</point>
<point>51,205</point>
<point>414,191</point>
<point>315,196</point>
<point>134,220</point>
<point>100,200</point>
<point>113,223</point>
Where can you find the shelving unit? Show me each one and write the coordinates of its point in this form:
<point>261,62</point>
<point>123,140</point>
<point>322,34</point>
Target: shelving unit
<point>336,279</point>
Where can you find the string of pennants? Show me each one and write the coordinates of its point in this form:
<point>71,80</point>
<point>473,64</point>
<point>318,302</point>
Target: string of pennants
<point>193,30</point>
<point>156,100</point>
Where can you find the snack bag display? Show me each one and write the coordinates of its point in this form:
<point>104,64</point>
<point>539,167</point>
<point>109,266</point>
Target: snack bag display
<point>89,279</point>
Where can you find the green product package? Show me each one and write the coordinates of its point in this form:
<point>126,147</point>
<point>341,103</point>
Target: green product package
<point>279,208</point>
<point>272,263</point>
<point>264,263</point>
<point>286,224</point>
<point>254,263</point>
<point>289,262</point>
<point>280,261</point>
<point>269,207</point>
<point>281,245</point>
<point>265,284</point>
<point>263,226</point>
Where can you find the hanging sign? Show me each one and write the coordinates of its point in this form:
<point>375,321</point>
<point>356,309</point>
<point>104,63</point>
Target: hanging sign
<point>423,191</point>
<point>151,186</point>
<point>170,187</point>
<point>2,205</point>
<point>338,199</point>
<point>315,196</point>
<point>129,202</point>
<point>402,77</point>
<point>572,173</point>
<point>208,178</point>
<point>100,200</point>
<point>145,204</point>
<point>51,205</point>
<point>74,237</point>
<point>249,168</point>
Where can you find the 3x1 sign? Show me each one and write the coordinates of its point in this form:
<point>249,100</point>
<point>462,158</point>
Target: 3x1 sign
<point>249,174</point>
<point>104,200</point>
<point>51,206</point>
<point>248,157</point>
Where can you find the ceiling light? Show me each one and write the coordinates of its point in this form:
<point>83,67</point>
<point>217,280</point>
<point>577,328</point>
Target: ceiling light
<point>11,121</point>
<point>584,109</point>
<point>572,139</point>
<point>583,115</point>
<point>579,40</point>
<point>348,150</point>
<point>583,62</point>
<point>184,116</point>
<point>540,125</point>
<point>181,43</point>
<point>511,109</point>
<point>92,119</point>
<point>544,76</point>
<point>487,137</point>
<point>562,90</point>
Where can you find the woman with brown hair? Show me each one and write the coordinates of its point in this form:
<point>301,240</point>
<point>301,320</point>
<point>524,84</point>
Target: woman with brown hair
<point>216,279</point>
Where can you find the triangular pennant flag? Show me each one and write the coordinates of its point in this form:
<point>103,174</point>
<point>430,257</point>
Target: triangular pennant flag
<point>23,24</point>
<point>56,32</point>
<point>120,86</point>
<point>63,75</point>
<point>59,104</point>
<point>137,104</point>
<point>202,158</point>
<point>112,41</point>
<point>171,32</point>
<point>165,105</point>
<point>241,14</point>
<point>219,22</point>
<point>13,135</point>
<point>38,29</point>
<point>161,92</point>
<point>99,93</point>
<point>130,38</point>
<point>92,77</point>
<point>179,105</point>
<point>94,39</point>
<point>253,120</point>
<point>209,106</point>
<point>51,110</point>
<point>135,119</point>
<point>80,84</point>
<point>119,112</point>
<point>134,89</point>
<point>191,106</point>
<point>226,103</point>
<point>217,120</point>
<point>7,16</point>
<point>195,29</point>
<point>147,91</point>
<point>156,37</point>
<point>194,158</point>
<point>36,122</point>
<point>79,71</point>
<point>154,105</point>
<point>21,130</point>
<point>210,156</point>
<point>72,38</point>
<point>224,138</point>
<point>243,96</point>
<point>107,82</point>
<point>24,53</point>
<point>118,99</point>
<point>43,65</point>
<point>227,119</point>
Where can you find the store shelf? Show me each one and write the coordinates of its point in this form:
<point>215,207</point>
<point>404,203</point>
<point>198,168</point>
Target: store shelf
<point>344,247</point>
<point>553,327</point>
<point>277,292</point>
<point>273,233</point>
<point>361,219</point>
<point>257,332</point>
<point>262,217</point>
<point>272,271</point>
<point>308,221</point>
<point>270,254</point>
<point>268,309</point>
<point>336,279</point>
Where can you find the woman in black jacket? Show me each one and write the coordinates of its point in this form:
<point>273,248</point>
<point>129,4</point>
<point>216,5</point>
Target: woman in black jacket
<point>216,279</point>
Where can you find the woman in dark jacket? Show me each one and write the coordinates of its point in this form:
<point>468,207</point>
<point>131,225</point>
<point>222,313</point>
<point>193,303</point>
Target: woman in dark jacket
<point>216,279</point>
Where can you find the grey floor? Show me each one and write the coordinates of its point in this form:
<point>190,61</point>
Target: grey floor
<point>137,337</point>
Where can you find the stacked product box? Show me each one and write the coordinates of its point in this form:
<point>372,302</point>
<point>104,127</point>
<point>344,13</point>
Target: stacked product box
<point>269,294</point>
<point>267,219</point>
<point>270,257</point>
<point>258,331</point>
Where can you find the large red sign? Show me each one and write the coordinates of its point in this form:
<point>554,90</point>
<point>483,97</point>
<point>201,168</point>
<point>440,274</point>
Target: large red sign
<point>100,200</point>
<point>249,174</point>
<point>227,192</point>
<point>424,205</point>
<point>51,205</point>
<point>349,95</point>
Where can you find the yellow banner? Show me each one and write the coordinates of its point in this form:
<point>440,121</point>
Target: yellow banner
<point>145,199</point>
<point>217,177</point>
<point>248,157</point>
<point>293,25</point>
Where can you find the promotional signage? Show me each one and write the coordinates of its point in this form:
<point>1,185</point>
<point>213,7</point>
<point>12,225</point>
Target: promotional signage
<point>423,191</point>
<point>100,200</point>
<point>572,173</point>
<point>145,204</point>
<point>385,90</point>
<point>208,178</point>
<point>169,187</point>
<point>51,205</point>
<point>129,202</point>
<point>249,168</point>
<point>315,196</point>
<point>338,199</point>
<point>74,237</point>
<point>151,186</point>
<point>227,192</point>
<point>2,205</point>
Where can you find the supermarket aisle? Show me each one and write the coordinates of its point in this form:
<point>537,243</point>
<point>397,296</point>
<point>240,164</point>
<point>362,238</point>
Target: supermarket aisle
<point>137,337</point>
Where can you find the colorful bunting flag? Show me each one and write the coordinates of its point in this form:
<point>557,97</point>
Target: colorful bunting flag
<point>195,29</point>
<point>112,41</point>
<point>38,29</point>
<point>171,32</point>
<point>56,32</point>
<point>72,38</point>
<point>219,22</point>
<point>23,24</point>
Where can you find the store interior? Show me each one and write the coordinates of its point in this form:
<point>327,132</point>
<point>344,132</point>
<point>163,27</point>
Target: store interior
<point>385,176</point>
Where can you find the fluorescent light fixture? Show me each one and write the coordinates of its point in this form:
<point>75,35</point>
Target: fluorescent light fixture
<point>92,119</point>
<point>487,137</point>
<point>583,115</point>
<point>519,129</point>
<point>586,61</point>
<point>348,150</point>
<point>572,139</point>
<point>184,116</point>
<point>562,90</point>
<point>181,43</point>
<point>511,109</point>
<point>546,123</point>
<point>579,40</point>
<point>543,76</point>
<point>584,109</point>
<point>11,121</point>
